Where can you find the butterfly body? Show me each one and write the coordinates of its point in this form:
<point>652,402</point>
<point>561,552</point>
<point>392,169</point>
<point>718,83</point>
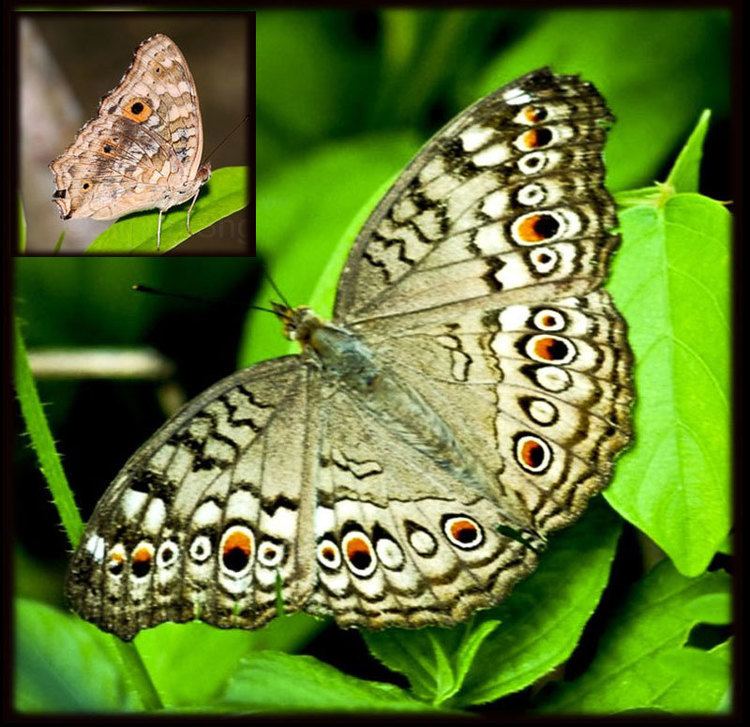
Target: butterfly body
<point>143,149</point>
<point>406,467</point>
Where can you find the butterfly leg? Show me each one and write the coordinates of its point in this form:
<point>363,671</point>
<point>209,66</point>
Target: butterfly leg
<point>158,231</point>
<point>192,204</point>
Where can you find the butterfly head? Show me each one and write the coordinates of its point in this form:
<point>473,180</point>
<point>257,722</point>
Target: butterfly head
<point>204,173</point>
<point>299,323</point>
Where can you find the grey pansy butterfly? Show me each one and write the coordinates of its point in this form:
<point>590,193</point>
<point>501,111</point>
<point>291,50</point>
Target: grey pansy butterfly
<point>143,149</point>
<point>468,398</point>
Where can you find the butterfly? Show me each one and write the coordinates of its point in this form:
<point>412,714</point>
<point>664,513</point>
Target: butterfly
<point>405,468</point>
<point>143,149</point>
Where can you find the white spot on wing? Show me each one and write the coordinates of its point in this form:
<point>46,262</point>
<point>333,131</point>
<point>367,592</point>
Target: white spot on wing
<point>494,204</point>
<point>324,520</point>
<point>241,504</point>
<point>490,156</point>
<point>155,514</point>
<point>520,98</point>
<point>282,525</point>
<point>132,502</point>
<point>207,514</point>
<point>475,137</point>
<point>95,545</point>
<point>513,318</point>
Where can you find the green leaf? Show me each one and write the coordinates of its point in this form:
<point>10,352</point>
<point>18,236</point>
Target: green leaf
<point>42,441</point>
<point>273,682</point>
<point>176,665</point>
<point>435,660</point>
<point>226,193</point>
<point>530,633</point>
<point>642,661</point>
<point>63,664</point>
<point>308,72</point>
<point>686,170</point>
<point>670,279</point>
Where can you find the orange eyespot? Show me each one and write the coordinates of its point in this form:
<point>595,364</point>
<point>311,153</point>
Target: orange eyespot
<point>535,138</point>
<point>358,551</point>
<point>141,560</point>
<point>328,554</point>
<point>238,539</point>
<point>463,531</point>
<point>535,114</point>
<point>140,555</point>
<point>526,229</point>
<point>359,554</point>
<point>237,547</point>
<point>537,227</point>
<point>532,453</point>
<point>550,349</point>
<point>137,109</point>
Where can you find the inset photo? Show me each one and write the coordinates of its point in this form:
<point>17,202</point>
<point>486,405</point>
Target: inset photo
<point>134,133</point>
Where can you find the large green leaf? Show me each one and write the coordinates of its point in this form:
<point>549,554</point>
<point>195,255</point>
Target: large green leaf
<point>63,664</point>
<point>671,281</point>
<point>226,193</point>
<point>529,634</point>
<point>175,654</point>
<point>269,681</point>
<point>643,662</point>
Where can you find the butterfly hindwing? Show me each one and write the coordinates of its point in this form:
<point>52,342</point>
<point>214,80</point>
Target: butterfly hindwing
<point>400,541</point>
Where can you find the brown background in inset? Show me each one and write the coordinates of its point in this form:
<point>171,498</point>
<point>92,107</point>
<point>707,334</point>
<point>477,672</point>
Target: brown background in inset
<point>94,50</point>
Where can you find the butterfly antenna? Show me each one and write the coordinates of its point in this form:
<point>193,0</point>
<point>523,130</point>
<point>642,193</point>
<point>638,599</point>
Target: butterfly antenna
<point>192,298</point>
<point>221,143</point>
<point>277,291</point>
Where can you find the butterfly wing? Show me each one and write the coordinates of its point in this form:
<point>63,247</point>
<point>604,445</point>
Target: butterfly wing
<point>209,513</point>
<point>144,147</point>
<point>476,281</point>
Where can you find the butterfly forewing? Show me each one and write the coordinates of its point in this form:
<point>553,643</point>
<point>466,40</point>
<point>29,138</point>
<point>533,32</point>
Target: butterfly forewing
<point>506,202</point>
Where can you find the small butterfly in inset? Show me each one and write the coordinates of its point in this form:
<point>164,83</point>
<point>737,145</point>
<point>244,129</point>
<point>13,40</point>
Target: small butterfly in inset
<point>143,149</point>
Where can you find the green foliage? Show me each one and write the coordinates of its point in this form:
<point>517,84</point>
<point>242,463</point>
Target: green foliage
<point>656,69</point>
<point>507,648</point>
<point>336,120</point>
<point>674,484</point>
<point>643,662</point>
<point>224,194</point>
<point>63,664</point>
<point>41,437</point>
<point>271,681</point>
<point>177,667</point>
<point>305,253</point>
